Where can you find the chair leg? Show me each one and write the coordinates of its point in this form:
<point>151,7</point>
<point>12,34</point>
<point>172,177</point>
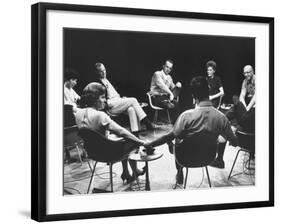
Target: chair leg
<point>111,179</point>
<point>169,118</point>
<point>175,186</point>
<point>155,116</point>
<point>185,177</point>
<point>208,176</point>
<point>93,171</point>
<point>233,164</point>
<point>249,163</point>
<point>67,155</point>
<point>78,151</point>
<point>89,165</point>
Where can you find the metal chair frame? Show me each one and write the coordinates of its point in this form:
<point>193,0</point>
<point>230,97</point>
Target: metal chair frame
<point>218,107</point>
<point>156,108</point>
<point>242,149</point>
<point>200,143</point>
<point>90,136</point>
<point>75,141</point>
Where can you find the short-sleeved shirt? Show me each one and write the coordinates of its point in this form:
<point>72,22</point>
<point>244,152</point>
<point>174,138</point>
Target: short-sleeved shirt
<point>214,85</point>
<point>204,118</point>
<point>250,86</point>
<point>70,96</point>
<point>159,79</point>
<point>93,119</point>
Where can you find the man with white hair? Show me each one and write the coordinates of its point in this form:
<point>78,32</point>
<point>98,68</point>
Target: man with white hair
<point>117,105</point>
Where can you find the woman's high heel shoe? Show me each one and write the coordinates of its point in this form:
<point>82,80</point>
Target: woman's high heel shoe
<point>127,178</point>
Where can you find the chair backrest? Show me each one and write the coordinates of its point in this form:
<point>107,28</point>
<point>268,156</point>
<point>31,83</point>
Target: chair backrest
<point>197,150</point>
<point>68,116</point>
<point>71,136</point>
<point>100,148</point>
<point>246,140</point>
<point>151,104</point>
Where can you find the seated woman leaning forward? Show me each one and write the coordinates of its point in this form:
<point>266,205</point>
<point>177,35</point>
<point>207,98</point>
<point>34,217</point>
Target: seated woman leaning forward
<point>92,117</point>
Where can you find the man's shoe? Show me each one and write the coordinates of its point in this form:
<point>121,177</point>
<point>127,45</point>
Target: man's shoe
<point>218,164</point>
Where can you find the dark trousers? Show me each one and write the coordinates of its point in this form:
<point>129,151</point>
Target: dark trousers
<point>245,119</point>
<point>216,102</point>
<point>164,101</point>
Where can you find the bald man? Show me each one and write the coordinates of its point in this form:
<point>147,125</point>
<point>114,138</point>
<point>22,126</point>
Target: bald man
<point>244,106</point>
<point>247,95</point>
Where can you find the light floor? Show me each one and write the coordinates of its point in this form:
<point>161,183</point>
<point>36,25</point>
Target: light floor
<point>161,172</point>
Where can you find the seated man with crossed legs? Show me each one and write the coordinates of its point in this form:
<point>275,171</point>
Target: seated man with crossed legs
<point>117,105</point>
<point>163,91</point>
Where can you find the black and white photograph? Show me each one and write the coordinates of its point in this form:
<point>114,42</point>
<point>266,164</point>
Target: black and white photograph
<point>150,111</point>
<point>144,112</point>
<point>140,111</point>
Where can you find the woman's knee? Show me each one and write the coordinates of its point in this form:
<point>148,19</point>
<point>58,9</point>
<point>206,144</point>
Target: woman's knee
<point>221,139</point>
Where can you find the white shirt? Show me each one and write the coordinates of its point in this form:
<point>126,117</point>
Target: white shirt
<point>111,91</point>
<point>161,83</point>
<point>70,96</point>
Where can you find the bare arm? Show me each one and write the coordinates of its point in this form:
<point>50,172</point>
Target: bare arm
<point>219,94</point>
<point>243,94</point>
<point>252,103</point>
<point>120,131</point>
<point>162,139</point>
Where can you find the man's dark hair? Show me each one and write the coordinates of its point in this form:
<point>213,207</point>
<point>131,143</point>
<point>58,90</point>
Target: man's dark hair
<point>199,88</point>
<point>211,64</point>
<point>70,74</point>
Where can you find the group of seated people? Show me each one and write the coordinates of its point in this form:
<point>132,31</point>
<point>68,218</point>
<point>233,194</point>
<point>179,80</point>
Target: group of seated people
<point>100,101</point>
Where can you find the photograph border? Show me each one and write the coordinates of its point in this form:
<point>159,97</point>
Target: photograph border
<point>39,110</point>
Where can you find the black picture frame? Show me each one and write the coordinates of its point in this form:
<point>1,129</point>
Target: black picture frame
<point>39,112</point>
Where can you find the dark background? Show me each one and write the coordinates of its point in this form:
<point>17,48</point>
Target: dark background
<point>131,58</point>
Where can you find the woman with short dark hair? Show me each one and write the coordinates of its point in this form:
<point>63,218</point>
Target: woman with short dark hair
<point>91,116</point>
<point>70,96</point>
<point>215,85</point>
